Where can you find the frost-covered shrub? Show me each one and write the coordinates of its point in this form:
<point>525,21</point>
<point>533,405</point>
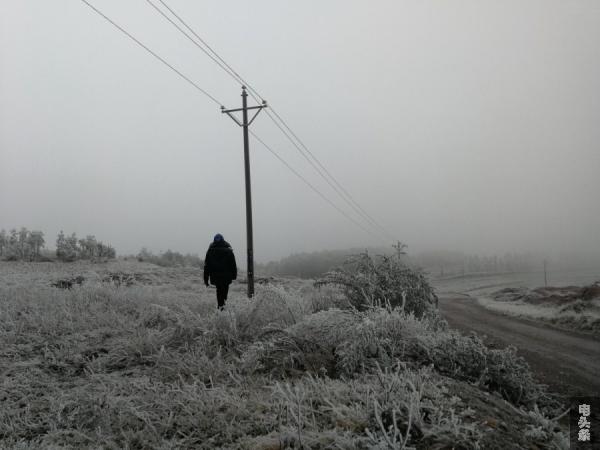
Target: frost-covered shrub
<point>327,297</point>
<point>272,305</point>
<point>343,343</point>
<point>307,345</point>
<point>383,338</point>
<point>383,281</point>
<point>380,338</point>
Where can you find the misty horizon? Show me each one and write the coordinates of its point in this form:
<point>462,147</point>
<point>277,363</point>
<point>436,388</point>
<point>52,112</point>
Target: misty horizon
<point>435,259</point>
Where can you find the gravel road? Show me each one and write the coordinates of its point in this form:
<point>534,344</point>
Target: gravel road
<point>568,362</point>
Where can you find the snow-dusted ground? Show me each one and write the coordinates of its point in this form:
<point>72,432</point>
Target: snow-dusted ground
<point>482,287</point>
<point>483,284</point>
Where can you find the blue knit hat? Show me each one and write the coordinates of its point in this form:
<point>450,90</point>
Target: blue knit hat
<point>218,237</point>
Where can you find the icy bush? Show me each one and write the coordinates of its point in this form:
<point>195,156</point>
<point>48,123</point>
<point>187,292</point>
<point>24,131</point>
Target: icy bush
<point>383,281</point>
<point>307,345</point>
<point>342,343</point>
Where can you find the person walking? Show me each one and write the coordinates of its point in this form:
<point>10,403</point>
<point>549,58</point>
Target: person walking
<point>220,268</point>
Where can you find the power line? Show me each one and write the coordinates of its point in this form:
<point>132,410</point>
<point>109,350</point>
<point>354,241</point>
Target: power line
<point>347,194</point>
<point>152,53</point>
<point>220,103</point>
<point>230,70</point>
<point>320,172</point>
<point>232,73</point>
<point>215,60</point>
<point>284,162</point>
<point>343,193</point>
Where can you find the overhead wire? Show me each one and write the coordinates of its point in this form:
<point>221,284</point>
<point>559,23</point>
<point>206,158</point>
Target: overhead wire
<point>212,98</point>
<point>151,52</point>
<point>346,193</point>
<point>290,135</point>
<point>308,183</point>
<point>215,60</point>
<point>230,69</point>
<point>356,208</point>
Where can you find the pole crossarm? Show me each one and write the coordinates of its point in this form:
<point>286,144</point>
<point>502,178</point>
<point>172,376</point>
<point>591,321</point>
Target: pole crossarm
<point>229,112</point>
<point>232,116</point>
<point>264,105</point>
<point>256,114</point>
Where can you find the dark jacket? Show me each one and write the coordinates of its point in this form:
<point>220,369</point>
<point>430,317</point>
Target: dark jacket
<point>219,264</point>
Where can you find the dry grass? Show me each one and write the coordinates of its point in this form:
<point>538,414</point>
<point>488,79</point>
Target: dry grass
<point>154,365</point>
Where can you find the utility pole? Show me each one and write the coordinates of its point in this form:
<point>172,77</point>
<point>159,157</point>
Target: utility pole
<point>245,124</point>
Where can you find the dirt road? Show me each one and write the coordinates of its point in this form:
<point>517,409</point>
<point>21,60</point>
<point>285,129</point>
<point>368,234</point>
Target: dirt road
<point>568,362</point>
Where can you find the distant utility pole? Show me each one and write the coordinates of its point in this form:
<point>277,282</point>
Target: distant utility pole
<point>545,276</point>
<point>245,124</point>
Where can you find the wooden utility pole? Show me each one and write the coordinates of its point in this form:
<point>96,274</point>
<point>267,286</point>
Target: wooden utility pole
<point>245,123</point>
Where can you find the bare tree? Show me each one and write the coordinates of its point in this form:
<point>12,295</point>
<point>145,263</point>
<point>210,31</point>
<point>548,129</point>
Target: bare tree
<point>66,247</point>
<point>23,248</point>
<point>88,247</point>
<point>36,242</point>
<point>12,250</point>
<point>3,242</point>
<point>70,248</point>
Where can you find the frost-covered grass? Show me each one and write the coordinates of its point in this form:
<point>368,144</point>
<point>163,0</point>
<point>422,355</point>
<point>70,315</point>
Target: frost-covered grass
<point>579,315</point>
<point>154,365</point>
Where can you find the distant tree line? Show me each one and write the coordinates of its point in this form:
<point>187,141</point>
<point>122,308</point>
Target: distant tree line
<point>311,265</point>
<point>439,263</point>
<point>445,263</point>
<point>169,258</point>
<point>25,245</point>
<point>22,245</point>
<point>69,248</point>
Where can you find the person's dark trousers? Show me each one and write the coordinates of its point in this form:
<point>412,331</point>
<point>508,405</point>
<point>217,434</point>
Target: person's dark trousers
<point>222,290</point>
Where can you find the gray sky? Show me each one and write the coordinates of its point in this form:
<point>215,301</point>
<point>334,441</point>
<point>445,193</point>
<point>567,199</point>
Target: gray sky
<point>463,125</point>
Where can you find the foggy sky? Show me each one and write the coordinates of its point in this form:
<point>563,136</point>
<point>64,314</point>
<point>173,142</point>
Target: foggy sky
<point>463,125</point>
